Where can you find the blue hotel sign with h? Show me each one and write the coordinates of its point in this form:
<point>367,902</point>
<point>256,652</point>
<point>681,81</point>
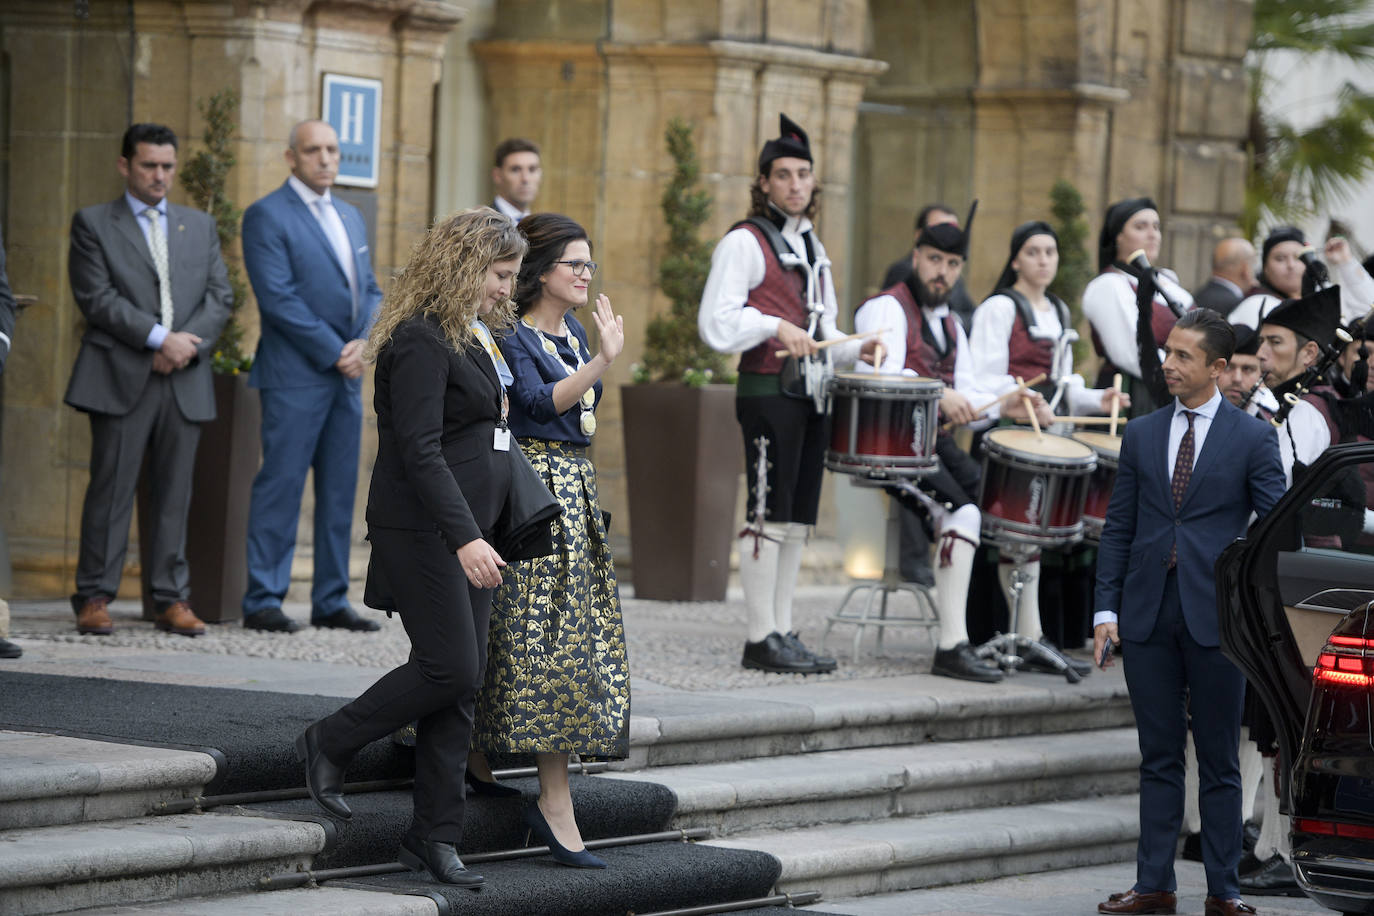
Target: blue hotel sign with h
<point>353,105</point>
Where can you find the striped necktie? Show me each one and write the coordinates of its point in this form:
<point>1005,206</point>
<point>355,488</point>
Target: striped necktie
<point>158,243</point>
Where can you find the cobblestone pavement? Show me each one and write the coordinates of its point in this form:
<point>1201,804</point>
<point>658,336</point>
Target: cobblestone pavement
<point>683,645</point>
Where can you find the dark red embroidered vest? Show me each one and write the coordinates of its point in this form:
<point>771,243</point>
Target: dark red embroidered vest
<point>1027,357</point>
<point>1162,321</point>
<point>921,357</point>
<point>782,293</point>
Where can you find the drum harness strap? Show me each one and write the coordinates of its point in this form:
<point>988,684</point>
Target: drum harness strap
<point>761,488</point>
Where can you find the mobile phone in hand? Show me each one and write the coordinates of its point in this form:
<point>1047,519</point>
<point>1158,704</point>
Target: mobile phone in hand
<point>1107,647</point>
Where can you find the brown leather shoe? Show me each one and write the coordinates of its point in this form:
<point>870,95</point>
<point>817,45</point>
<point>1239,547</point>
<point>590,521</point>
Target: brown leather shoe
<point>1233,907</point>
<point>94,617</point>
<point>1132,902</point>
<point>179,619</point>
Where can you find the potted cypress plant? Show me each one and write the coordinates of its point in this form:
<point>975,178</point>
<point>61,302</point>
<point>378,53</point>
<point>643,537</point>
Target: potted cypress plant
<point>227,458</point>
<point>682,448</point>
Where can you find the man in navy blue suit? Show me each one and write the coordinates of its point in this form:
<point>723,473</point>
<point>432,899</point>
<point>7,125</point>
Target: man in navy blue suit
<point>1191,473</point>
<point>307,257</point>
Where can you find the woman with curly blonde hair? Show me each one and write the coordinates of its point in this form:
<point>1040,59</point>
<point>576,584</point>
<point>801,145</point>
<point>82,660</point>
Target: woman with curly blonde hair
<point>438,487</point>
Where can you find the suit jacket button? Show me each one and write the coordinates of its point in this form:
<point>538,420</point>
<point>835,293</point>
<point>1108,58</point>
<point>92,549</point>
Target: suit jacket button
<point>1177,522</point>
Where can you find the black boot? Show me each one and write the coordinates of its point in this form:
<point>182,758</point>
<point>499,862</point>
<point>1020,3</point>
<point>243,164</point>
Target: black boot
<point>440,860</point>
<point>322,777</point>
<point>775,655</point>
<point>961,662</point>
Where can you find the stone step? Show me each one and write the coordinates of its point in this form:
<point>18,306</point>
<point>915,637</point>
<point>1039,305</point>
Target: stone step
<point>314,901</point>
<point>873,784</point>
<point>676,727</point>
<point>47,780</point>
<point>110,863</point>
<point>973,845</point>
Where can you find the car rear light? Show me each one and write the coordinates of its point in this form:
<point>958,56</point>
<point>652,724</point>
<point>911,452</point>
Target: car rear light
<point>1332,828</point>
<point>1345,661</point>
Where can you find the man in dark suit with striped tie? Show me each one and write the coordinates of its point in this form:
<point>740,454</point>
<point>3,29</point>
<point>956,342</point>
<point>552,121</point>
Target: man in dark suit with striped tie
<point>148,277</point>
<point>1190,475</point>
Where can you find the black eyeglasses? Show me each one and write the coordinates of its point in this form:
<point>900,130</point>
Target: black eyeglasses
<point>579,265</point>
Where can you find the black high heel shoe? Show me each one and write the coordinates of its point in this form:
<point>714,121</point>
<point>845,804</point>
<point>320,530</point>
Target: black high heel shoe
<point>491,789</point>
<point>534,819</point>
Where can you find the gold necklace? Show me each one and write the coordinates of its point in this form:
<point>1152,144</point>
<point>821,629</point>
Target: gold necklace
<point>587,421</point>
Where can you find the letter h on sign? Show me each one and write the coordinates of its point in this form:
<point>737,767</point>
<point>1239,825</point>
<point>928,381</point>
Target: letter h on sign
<point>353,105</point>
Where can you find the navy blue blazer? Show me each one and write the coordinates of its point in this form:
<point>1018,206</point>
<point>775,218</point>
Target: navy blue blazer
<point>303,295</point>
<point>1237,472</point>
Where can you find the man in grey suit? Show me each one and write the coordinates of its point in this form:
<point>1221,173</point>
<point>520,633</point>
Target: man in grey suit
<point>150,281</point>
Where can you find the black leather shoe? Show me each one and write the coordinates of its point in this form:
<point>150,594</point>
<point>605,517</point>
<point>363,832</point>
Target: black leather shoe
<point>440,860</point>
<point>823,664</point>
<point>9,649</point>
<point>271,620</point>
<point>491,789</point>
<point>773,654</point>
<point>1273,879</point>
<point>346,619</point>
<point>322,777</point>
<point>962,663</point>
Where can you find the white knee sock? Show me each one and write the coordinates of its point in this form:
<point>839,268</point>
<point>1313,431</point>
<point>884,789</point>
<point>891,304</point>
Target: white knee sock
<point>953,567</point>
<point>1251,768</point>
<point>1192,816</point>
<point>789,566</point>
<point>1028,622</point>
<point>758,575</point>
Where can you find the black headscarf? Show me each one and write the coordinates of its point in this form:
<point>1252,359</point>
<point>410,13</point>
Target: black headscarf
<point>1019,236</point>
<point>792,141</point>
<point>1280,234</point>
<point>1118,215</point>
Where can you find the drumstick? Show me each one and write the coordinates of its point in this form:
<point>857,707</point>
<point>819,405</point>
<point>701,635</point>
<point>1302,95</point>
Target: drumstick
<point>878,357</point>
<point>1083,421</point>
<point>1116,402</point>
<point>1030,408</point>
<point>978,411</point>
<point>839,340</point>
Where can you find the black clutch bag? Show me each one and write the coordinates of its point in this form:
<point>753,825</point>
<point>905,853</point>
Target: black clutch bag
<point>522,531</point>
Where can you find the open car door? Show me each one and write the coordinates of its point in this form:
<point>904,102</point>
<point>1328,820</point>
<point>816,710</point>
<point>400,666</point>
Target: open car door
<point>1280,592</point>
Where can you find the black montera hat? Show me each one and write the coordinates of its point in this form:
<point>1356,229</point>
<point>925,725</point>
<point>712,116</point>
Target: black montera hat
<point>1315,317</point>
<point>948,237</point>
<point>1247,340</point>
<point>791,141</point>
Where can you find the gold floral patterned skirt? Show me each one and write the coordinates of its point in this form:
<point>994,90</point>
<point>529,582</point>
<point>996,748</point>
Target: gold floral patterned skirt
<point>558,675</point>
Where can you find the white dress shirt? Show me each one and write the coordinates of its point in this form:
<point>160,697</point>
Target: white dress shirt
<point>1109,305</point>
<point>509,209</point>
<point>1304,435</point>
<point>1202,422</point>
<point>1357,297</point>
<point>729,324</point>
<point>990,351</point>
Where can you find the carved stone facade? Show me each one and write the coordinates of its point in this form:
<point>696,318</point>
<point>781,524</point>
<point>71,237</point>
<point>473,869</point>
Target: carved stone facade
<point>907,101</point>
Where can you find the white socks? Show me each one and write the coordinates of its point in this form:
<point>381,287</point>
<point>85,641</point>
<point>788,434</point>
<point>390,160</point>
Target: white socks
<point>951,588</point>
<point>1251,771</point>
<point>1252,767</point>
<point>789,566</point>
<point>1273,837</point>
<point>1027,622</point>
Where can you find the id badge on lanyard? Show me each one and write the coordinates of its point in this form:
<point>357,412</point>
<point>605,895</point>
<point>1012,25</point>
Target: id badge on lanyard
<point>501,441</point>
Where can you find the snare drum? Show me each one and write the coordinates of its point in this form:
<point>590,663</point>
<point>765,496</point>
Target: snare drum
<point>1108,449</point>
<point>884,426</point>
<point>1033,487</point>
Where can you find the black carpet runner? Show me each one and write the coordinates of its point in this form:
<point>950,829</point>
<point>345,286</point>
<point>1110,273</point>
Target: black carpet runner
<point>251,734</point>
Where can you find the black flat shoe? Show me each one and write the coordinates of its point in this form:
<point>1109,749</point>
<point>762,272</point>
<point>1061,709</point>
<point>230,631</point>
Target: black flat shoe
<point>271,620</point>
<point>1273,879</point>
<point>491,789</point>
<point>439,860</point>
<point>346,619</point>
<point>773,654</point>
<point>539,827</point>
<point>961,662</point>
<point>823,664</point>
<point>9,649</point>
<point>322,777</point>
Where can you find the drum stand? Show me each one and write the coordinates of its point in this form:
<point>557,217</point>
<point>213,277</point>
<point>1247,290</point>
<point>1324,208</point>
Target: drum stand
<point>878,592</point>
<point>1010,650</point>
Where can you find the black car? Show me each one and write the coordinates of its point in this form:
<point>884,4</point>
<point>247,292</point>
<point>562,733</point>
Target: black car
<point>1296,605</point>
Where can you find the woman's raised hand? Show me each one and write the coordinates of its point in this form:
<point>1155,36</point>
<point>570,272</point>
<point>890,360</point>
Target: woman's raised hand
<point>610,327</point>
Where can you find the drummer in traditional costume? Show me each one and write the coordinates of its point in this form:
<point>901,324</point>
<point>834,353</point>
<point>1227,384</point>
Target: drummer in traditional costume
<point>755,302</point>
<point>920,337</point>
<point>1109,300</point>
<point>1025,331</point>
